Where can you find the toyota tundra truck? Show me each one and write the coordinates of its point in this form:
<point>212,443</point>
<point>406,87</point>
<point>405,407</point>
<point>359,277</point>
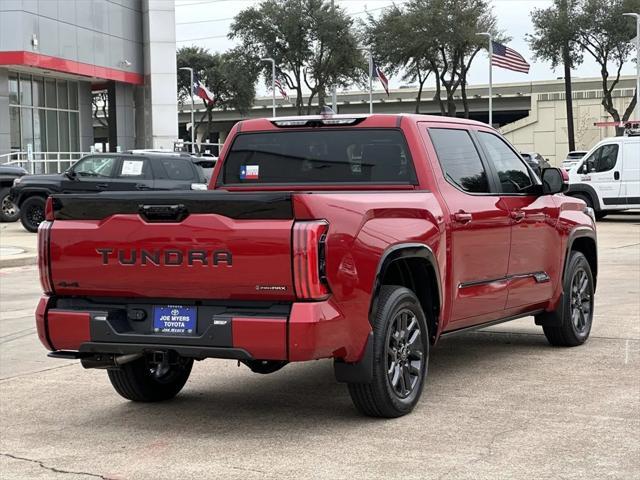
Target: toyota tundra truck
<point>362,239</point>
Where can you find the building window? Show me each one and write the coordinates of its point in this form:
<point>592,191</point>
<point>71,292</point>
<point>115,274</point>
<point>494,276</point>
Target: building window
<point>43,113</point>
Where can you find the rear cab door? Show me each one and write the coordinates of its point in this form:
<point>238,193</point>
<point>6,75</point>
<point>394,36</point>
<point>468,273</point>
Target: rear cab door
<point>133,173</point>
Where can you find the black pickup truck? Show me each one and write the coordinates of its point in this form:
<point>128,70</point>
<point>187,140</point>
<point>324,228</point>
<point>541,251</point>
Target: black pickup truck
<point>9,210</point>
<point>109,172</point>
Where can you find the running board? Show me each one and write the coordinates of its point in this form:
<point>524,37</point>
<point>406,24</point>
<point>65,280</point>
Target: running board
<point>491,323</point>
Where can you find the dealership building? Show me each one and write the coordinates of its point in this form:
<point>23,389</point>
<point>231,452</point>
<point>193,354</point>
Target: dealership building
<point>55,53</point>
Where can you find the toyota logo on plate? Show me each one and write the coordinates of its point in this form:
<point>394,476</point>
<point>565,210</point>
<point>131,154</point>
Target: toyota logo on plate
<point>175,311</point>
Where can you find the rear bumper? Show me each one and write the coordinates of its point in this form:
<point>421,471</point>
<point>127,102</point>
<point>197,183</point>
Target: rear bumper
<point>294,332</point>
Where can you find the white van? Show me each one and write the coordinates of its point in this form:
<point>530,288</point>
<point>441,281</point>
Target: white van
<point>608,177</point>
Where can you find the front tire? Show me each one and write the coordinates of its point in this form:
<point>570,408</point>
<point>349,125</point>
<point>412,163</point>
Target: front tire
<point>576,309</point>
<point>8,210</point>
<point>32,213</point>
<point>401,356</point>
<point>143,381</point>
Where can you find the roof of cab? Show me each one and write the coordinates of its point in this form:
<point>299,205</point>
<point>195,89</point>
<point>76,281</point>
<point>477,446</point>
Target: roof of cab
<point>380,119</point>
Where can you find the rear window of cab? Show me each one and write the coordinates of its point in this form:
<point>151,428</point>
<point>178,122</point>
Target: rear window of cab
<point>319,156</point>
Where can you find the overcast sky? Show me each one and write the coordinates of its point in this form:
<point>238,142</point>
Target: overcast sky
<point>192,22</point>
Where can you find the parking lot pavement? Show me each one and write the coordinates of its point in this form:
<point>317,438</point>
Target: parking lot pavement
<point>17,246</point>
<point>499,403</point>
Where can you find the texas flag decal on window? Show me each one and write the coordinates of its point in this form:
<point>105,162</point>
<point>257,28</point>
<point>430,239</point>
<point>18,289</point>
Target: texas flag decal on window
<point>250,172</point>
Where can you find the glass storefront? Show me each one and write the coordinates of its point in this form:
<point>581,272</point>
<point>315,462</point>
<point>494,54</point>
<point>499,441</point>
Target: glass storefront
<point>43,113</point>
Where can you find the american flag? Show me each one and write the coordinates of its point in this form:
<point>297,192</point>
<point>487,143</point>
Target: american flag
<point>508,58</point>
<point>280,87</point>
<point>379,74</point>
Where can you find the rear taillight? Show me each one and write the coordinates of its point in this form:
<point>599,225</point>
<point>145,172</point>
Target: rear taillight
<point>309,264</point>
<point>48,209</point>
<point>44,258</point>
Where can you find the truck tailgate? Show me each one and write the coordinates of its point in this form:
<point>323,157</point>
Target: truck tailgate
<point>191,245</point>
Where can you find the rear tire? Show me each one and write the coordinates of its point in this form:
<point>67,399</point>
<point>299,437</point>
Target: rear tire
<point>576,308</point>
<point>141,381</point>
<point>32,213</point>
<point>9,211</point>
<point>401,356</point>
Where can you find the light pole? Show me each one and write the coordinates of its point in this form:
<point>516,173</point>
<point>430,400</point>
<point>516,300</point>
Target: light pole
<point>370,56</point>
<point>488,35</point>
<point>334,94</point>
<point>193,124</point>
<point>637,15</point>
<point>273,82</point>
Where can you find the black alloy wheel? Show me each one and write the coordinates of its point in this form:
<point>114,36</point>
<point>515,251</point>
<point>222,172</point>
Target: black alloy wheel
<point>404,353</point>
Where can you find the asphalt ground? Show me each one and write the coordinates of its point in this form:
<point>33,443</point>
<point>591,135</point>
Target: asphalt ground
<point>499,403</point>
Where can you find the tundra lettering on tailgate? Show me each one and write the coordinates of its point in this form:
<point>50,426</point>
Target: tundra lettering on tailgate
<point>168,257</point>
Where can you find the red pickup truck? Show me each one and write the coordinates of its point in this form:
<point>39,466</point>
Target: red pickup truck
<point>361,239</point>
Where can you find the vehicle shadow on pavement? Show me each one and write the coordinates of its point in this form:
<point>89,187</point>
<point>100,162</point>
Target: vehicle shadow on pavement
<point>225,400</point>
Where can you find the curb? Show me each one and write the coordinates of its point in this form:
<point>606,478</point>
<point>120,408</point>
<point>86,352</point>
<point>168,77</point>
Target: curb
<point>18,260</point>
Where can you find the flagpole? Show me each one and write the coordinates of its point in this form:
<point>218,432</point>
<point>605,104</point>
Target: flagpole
<point>488,35</point>
<point>273,83</point>
<point>370,82</point>
<point>193,125</point>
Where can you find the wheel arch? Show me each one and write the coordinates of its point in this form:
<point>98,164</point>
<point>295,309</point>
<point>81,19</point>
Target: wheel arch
<point>27,194</point>
<point>583,240</point>
<point>586,189</point>
<point>411,265</point>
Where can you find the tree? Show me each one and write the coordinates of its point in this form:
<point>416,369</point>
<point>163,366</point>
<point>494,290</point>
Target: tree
<point>606,35</point>
<point>555,41</point>
<point>397,49</point>
<point>312,44</point>
<point>433,36</point>
<point>230,76</point>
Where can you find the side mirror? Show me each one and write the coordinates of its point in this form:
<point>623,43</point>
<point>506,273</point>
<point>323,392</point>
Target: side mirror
<point>554,180</point>
<point>70,174</point>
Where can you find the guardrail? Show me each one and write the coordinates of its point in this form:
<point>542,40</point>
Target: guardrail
<point>42,162</point>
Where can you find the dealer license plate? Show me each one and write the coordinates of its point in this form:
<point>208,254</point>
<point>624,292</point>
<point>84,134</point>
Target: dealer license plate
<point>175,320</point>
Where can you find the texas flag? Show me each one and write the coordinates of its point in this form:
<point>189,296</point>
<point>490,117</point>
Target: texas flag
<point>202,91</point>
<point>249,172</point>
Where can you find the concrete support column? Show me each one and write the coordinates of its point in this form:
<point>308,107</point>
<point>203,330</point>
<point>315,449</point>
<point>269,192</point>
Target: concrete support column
<point>86,116</point>
<point>160,125</point>
<point>5,139</point>
<point>121,116</point>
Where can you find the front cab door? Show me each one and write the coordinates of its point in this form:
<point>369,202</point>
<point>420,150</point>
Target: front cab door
<point>90,174</point>
<point>535,246</point>
<point>603,171</point>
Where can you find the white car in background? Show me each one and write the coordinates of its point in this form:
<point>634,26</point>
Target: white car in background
<point>608,177</point>
<point>573,158</point>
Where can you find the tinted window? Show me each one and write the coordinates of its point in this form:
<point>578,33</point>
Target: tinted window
<point>319,156</point>
<point>177,168</point>
<point>459,159</point>
<point>603,159</point>
<point>95,167</point>
<point>134,168</point>
<point>512,172</point>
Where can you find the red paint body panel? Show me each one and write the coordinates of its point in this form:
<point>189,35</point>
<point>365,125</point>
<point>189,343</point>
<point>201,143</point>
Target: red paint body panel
<point>57,64</point>
<point>67,329</point>
<point>41,322</point>
<point>263,338</point>
<point>484,266</point>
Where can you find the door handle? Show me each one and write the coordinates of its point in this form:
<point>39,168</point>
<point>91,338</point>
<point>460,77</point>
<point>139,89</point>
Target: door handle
<point>142,186</point>
<point>102,186</point>
<point>616,175</point>
<point>462,217</point>
<point>517,215</point>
